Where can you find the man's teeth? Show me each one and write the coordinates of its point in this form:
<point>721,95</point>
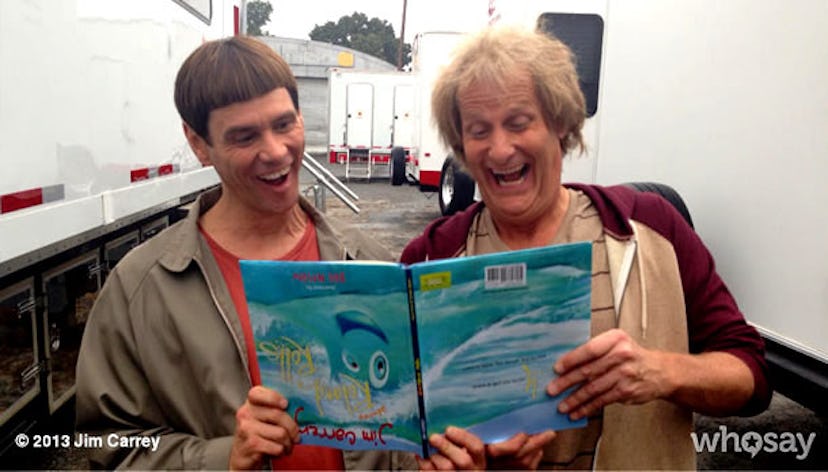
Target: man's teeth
<point>275,175</point>
<point>511,176</point>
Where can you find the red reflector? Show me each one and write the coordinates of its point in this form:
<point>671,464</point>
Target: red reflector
<point>166,169</point>
<point>236,21</point>
<point>20,200</point>
<point>138,174</point>
<point>430,177</point>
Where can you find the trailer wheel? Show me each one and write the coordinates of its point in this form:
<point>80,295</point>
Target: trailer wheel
<point>456,188</point>
<point>397,166</point>
<point>669,194</point>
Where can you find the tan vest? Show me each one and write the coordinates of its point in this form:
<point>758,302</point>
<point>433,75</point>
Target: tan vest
<point>648,305</point>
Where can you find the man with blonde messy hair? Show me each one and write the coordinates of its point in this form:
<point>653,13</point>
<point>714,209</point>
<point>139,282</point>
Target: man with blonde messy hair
<point>668,338</point>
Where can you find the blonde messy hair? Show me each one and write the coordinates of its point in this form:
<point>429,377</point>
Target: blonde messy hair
<point>495,55</point>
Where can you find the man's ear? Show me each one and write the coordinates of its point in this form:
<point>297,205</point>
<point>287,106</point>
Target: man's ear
<point>197,144</point>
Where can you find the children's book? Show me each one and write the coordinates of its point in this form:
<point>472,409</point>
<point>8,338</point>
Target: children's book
<point>376,355</point>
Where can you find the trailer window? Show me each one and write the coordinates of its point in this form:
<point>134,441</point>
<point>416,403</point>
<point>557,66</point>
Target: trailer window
<point>116,249</point>
<point>583,33</point>
<point>70,291</point>
<point>203,9</point>
<point>18,374</point>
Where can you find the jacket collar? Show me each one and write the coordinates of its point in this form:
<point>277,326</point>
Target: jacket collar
<point>185,244</point>
<point>615,205</point>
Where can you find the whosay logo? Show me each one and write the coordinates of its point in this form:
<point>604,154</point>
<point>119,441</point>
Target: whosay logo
<point>753,442</point>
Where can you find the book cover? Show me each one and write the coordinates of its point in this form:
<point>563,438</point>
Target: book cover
<point>376,355</point>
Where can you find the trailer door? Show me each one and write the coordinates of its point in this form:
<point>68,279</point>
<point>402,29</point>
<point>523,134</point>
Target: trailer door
<point>402,133</point>
<point>360,103</point>
<point>383,113</point>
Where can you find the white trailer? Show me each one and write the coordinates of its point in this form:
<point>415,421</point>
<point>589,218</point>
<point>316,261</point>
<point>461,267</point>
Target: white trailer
<point>429,163</point>
<point>431,52</point>
<point>387,116</point>
<point>725,101</point>
<point>369,113</point>
<point>94,162</point>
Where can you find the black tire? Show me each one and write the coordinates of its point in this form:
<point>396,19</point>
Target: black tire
<point>397,166</point>
<point>456,191</point>
<point>669,194</point>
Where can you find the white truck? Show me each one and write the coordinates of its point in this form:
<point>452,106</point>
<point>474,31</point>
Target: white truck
<point>726,102</point>
<point>94,162</point>
<point>369,113</point>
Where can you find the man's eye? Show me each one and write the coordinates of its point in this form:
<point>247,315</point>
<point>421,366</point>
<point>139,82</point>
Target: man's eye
<point>477,132</point>
<point>244,138</point>
<point>519,123</point>
<point>283,126</point>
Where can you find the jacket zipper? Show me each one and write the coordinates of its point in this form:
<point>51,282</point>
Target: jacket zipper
<point>241,351</point>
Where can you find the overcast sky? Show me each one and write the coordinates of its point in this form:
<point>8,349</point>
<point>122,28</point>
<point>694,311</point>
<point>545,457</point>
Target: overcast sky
<point>296,18</point>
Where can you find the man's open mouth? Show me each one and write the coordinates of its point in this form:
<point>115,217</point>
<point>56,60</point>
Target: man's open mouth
<point>511,176</point>
<point>276,178</point>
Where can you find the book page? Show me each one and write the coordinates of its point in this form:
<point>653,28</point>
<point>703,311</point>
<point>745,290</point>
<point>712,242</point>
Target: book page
<point>490,330</point>
<point>335,339</point>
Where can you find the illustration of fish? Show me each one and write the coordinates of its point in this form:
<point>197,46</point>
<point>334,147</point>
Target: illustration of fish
<point>362,351</point>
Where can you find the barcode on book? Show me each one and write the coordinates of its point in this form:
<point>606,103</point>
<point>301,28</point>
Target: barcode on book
<point>505,276</point>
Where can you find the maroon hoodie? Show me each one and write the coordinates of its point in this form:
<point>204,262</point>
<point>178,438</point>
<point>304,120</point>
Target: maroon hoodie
<point>714,322</point>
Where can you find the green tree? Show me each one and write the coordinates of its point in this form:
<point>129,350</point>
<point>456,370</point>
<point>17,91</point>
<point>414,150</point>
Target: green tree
<point>258,14</point>
<point>375,36</point>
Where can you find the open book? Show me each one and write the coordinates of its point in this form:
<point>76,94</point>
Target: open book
<point>376,355</point>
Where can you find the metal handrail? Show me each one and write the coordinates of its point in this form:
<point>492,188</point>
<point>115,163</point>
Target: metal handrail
<point>326,178</point>
<point>330,176</point>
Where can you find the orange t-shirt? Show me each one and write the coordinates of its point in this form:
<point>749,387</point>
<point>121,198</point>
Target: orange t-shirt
<point>302,457</point>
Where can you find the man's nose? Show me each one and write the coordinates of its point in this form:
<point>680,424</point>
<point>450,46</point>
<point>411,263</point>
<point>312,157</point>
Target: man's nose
<point>273,147</point>
<point>500,146</point>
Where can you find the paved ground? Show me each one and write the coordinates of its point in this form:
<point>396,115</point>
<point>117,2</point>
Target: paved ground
<point>393,215</point>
